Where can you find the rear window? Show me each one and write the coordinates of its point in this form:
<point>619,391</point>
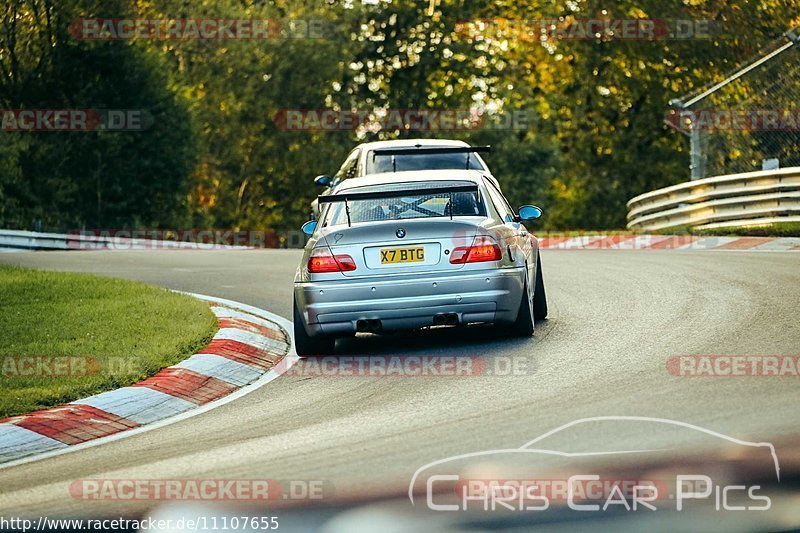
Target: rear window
<point>400,163</point>
<point>418,205</point>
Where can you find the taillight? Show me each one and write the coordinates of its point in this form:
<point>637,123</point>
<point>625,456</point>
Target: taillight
<point>322,261</point>
<point>483,249</point>
<point>346,263</point>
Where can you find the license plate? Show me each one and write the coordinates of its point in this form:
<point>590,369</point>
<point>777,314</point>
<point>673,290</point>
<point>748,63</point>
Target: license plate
<point>402,255</point>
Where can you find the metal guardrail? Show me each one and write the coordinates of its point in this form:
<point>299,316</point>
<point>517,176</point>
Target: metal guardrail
<point>31,240</point>
<point>734,200</point>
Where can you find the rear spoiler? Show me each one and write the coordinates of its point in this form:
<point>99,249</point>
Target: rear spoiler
<point>353,196</point>
<point>430,150</point>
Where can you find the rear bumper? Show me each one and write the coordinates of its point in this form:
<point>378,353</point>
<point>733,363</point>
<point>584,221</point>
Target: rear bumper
<point>334,307</point>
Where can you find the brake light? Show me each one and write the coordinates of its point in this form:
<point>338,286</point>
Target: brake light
<point>346,263</point>
<point>483,249</point>
<point>322,261</point>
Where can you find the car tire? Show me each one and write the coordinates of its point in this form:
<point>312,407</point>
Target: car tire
<point>539,296</point>
<point>306,345</point>
<point>523,325</point>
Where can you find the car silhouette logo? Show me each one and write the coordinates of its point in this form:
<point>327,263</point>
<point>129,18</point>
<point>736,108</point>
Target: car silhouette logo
<point>533,447</point>
<point>400,233</point>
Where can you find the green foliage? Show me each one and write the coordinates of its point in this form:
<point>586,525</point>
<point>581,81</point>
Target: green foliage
<point>780,229</point>
<point>215,156</point>
<point>94,179</point>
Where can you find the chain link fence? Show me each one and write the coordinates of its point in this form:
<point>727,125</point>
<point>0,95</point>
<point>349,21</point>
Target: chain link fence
<point>749,121</point>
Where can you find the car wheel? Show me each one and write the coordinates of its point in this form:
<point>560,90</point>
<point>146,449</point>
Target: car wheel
<point>539,297</point>
<point>523,326</point>
<point>305,344</point>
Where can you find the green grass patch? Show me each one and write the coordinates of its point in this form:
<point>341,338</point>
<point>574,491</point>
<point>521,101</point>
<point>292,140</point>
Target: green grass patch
<point>541,234</point>
<point>66,336</point>
<point>782,229</point>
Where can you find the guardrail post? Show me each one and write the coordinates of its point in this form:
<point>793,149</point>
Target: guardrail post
<point>696,149</point>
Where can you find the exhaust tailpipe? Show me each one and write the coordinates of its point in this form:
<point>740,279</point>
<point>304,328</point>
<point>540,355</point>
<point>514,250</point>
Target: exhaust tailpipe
<point>445,319</point>
<point>368,326</point>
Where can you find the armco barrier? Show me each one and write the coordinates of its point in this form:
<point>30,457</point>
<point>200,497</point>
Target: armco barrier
<point>748,199</point>
<point>145,239</point>
<point>30,240</point>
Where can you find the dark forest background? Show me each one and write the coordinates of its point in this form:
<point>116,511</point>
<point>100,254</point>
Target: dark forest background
<point>213,156</point>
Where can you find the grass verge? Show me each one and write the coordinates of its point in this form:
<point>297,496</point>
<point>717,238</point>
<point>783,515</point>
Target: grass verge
<point>67,336</point>
<point>781,229</point>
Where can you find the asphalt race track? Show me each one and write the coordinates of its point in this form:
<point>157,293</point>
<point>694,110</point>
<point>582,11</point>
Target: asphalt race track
<point>615,319</point>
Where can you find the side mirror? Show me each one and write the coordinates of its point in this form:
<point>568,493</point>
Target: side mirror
<point>529,212</point>
<point>322,181</point>
<point>309,227</point>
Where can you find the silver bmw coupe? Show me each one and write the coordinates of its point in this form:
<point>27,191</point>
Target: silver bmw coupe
<point>398,251</point>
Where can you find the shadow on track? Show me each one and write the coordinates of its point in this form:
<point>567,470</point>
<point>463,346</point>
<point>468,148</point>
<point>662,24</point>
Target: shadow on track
<point>469,340</point>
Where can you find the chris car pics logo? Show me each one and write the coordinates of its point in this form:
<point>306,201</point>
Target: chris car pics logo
<point>477,480</point>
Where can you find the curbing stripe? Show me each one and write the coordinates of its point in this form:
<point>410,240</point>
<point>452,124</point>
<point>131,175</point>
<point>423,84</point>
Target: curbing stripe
<point>227,312</point>
<point>745,243</point>
<point>222,368</point>
<point>243,352</point>
<point>611,241</point>
<point>708,243</point>
<point>673,242</point>
<point>669,242</point>
<point>251,327</point>
<point>140,404</point>
<point>188,385</point>
<point>249,338</point>
<point>15,440</point>
<point>577,242</point>
<point>787,244</point>
<point>73,423</point>
<point>642,242</point>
